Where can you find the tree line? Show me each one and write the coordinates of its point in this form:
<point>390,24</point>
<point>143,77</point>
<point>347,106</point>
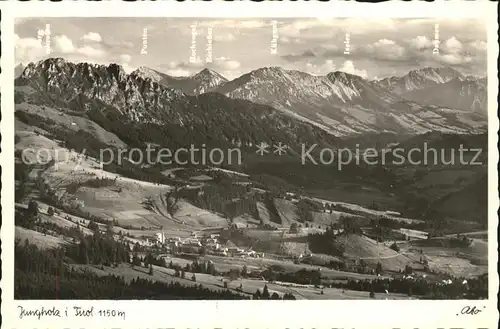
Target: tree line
<point>46,274</point>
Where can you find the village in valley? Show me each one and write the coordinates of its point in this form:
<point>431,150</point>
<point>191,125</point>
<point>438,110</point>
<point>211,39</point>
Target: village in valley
<point>239,253</point>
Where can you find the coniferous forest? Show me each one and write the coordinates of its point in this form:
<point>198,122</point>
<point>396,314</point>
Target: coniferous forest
<point>46,274</point>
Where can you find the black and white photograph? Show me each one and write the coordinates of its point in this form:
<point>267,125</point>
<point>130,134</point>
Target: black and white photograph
<point>251,158</point>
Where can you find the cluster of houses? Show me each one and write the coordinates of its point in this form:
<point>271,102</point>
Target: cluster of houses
<point>196,242</point>
<point>239,252</point>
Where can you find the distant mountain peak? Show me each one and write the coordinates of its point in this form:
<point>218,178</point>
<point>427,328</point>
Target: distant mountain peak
<point>54,62</point>
<point>207,73</point>
<point>418,79</point>
<point>268,69</point>
<point>343,76</point>
<point>18,70</point>
<point>57,60</point>
<point>145,69</point>
<point>199,83</point>
<point>437,74</point>
<point>148,73</point>
<point>443,86</point>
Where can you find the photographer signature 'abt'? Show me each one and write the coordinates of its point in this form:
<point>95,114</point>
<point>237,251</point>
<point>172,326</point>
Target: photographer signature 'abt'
<point>468,310</point>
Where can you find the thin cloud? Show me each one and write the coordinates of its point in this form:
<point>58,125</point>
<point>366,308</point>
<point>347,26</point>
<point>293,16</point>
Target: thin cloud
<point>93,37</point>
<point>63,44</point>
<point>298,57</point>
<point>234,24</point>
<point>348,67</point>
<point>225,64</point>
<point>421,42</point>
<point>223,37</point>
<point>28,50</point>
<point>91,51</point>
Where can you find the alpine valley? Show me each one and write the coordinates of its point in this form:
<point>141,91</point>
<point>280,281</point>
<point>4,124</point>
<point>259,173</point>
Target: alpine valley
<point>334,229</point>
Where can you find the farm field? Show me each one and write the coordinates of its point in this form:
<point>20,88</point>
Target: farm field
<point>43,241</point>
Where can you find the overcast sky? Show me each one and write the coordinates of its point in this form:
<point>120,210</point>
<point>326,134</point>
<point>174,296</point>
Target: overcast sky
<point>377,48</point>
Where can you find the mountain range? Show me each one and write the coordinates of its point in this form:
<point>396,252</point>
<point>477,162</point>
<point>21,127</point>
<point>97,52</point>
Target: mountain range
<point>204,81</point>
<point>466,93</point>
<point>418,79</point>
<point>341,104</point>
<point>139,109</point>
<point>444,87</point>
<point>428,99</point>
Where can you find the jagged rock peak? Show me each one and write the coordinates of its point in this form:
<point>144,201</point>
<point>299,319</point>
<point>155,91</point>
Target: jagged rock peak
<point>343,76</point>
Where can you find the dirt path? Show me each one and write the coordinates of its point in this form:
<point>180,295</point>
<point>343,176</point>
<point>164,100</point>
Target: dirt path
<point>467,233</point>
